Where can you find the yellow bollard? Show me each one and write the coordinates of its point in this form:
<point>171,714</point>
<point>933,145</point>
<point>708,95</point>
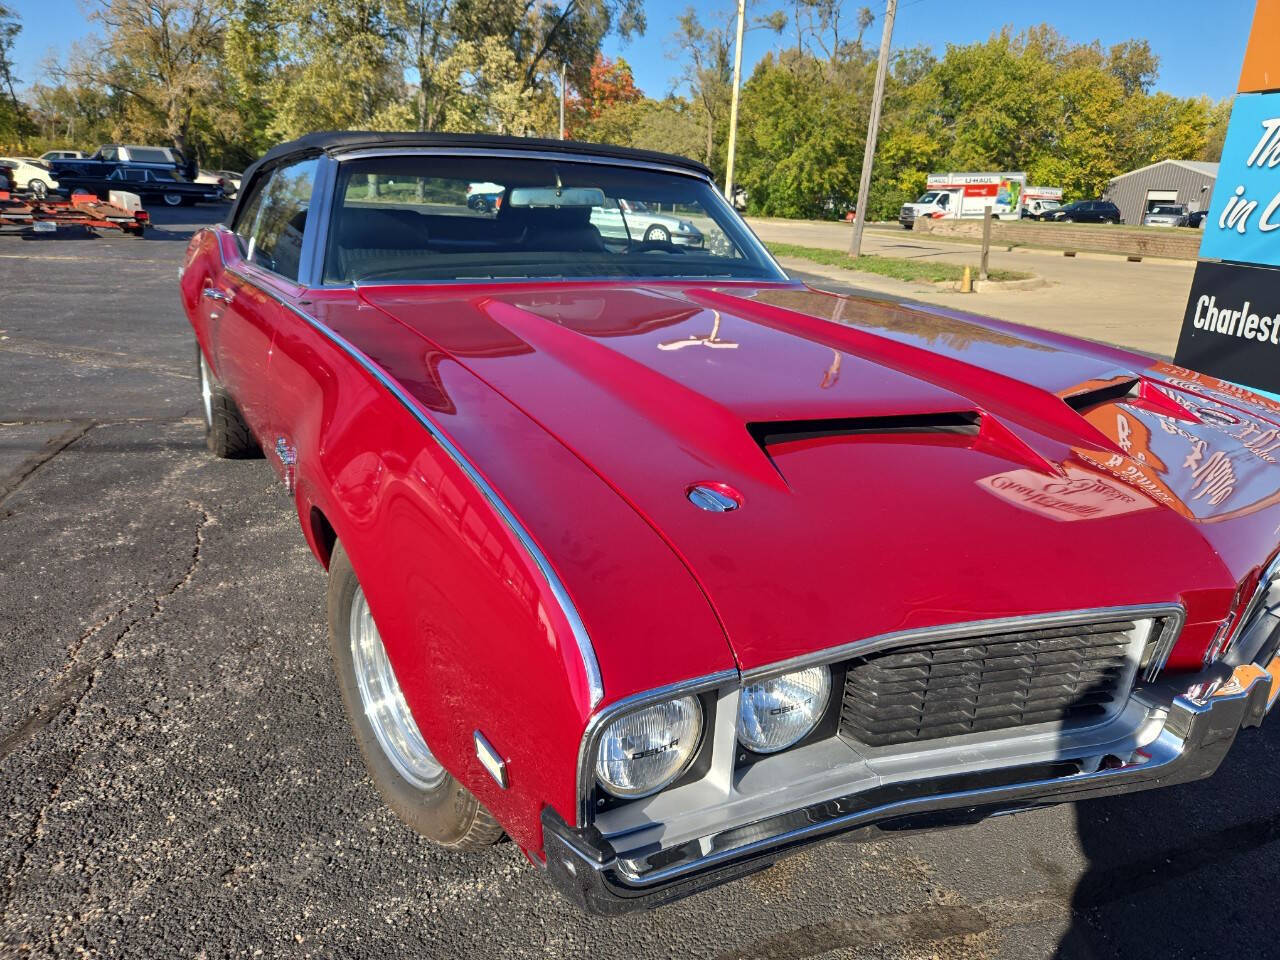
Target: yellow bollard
<point>966,282</point>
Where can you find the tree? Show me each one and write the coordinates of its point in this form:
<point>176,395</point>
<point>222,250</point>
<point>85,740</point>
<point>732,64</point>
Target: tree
<point>705,53</point>
<point>1135,65</point>
<point>163,55</point>
<point>15,121</point>
<point>669,125</point>
<point>610,83</point>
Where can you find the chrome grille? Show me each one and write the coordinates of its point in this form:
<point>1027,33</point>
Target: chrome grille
<point>1074,675</point>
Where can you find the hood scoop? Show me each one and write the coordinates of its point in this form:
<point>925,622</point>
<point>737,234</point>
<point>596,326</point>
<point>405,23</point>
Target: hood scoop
<point>1083,400</point>
<point>976,430</point>
<point>769,433</point>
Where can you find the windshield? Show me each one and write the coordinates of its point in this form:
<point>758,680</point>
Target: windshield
<point>928,197</point>
<point>422,218</point>
<point>1166,211</point>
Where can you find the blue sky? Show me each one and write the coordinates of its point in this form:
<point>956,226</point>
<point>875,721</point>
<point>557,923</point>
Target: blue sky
<point>1201,45</point>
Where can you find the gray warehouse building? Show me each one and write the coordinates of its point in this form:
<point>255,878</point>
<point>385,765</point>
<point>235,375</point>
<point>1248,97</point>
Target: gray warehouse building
<point>1188,182</point>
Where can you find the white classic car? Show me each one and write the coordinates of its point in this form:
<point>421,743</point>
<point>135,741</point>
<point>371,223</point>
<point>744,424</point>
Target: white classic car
<point>31,175</point>
<point>633,220</point>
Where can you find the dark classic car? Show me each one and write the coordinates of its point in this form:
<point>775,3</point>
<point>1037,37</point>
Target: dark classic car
<point>665,565</point>
<point>149,182</point>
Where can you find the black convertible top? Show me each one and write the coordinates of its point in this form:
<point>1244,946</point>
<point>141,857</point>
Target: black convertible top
<point>342,141</point>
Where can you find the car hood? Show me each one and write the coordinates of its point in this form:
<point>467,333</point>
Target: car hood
<point>897,467</point>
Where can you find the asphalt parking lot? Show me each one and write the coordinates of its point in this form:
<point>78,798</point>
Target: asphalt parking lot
<point>177,778</point>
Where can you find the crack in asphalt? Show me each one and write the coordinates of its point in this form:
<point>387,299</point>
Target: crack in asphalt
<point>42,456</point>
<point>76,681</point>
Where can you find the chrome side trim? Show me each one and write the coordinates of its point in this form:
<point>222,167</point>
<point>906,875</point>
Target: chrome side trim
<point>1168,612</point>
<point>1270,574</point>
<point>591,666</point>
<point>597,723</point>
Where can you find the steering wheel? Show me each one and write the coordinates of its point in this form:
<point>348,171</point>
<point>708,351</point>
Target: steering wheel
<point>648,246</point>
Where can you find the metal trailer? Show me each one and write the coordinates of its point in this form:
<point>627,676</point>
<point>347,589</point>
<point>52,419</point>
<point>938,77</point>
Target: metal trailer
<point>82,210</point>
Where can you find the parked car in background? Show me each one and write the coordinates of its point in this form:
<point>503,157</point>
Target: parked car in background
<point>112,155</point>
<point>622,219</point>
<point>485,197</point>
<point>1038,209</point>
<point>50,155</point>
<point>1195,219</point>
<point>1165,215</point>
<point>160,183</point>
<point>31,176</point>
<point>221,179</point>
<point>616,570</point>
<point>1085,211</point>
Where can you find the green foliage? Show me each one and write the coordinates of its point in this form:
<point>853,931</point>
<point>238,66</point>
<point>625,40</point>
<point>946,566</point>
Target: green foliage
<point>15,120</point>
<point>225,79</point>
<point>1070,115</point>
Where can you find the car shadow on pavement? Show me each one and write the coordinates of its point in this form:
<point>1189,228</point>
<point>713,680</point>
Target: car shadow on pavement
<point>1182,871</point>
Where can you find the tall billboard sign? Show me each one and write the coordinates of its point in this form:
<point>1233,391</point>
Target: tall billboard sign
<point>1231,328</point>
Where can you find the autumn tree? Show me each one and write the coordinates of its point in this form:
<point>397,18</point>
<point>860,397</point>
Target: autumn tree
<point>610,83</point>
<point>162,55</point>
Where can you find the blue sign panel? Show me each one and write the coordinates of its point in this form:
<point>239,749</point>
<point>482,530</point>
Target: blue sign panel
<point>1243,224</point>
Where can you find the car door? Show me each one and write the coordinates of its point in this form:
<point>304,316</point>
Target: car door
<point>250,295</point>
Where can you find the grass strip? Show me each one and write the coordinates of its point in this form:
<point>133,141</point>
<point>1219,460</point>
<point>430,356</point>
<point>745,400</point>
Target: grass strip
<point>900,268</point>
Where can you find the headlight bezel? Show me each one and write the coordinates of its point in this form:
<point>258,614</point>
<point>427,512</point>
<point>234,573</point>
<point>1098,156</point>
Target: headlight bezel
<point>705,713</point>
<point>820,715</point>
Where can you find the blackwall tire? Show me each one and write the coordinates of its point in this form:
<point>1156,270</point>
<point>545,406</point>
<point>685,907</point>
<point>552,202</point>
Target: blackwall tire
<point>225,432</point>
<point>657,235</point>
<point>430,802</point>
<point>39,189</point>
<point>172,199</point>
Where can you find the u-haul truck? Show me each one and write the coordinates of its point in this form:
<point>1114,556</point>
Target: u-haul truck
<point>1037,201</point>
<point>956,196</point>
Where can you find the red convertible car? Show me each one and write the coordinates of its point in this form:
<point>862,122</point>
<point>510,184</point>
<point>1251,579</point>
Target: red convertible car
<point>664,565</point>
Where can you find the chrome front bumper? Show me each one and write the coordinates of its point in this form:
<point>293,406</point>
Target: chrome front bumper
<point>1197,733</point>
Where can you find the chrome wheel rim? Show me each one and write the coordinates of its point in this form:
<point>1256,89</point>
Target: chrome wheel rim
<point>173,199</point>
<point>384,705</point>
<point>206,390</point>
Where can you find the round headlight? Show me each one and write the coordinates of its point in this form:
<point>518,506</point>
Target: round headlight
<point>775,713</point>
<point>642,752</point>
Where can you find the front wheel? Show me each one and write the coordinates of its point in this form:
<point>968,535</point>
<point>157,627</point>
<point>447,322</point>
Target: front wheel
<point>412,782</point>
<point>39,189</point>
<point>172,199</point>
<point>657,235</point>
<point>1067,220</point>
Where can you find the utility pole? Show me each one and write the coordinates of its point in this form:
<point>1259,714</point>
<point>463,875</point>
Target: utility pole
<point>873,130</point>
<point>733,103</point>
<point>563,69</point>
